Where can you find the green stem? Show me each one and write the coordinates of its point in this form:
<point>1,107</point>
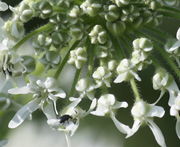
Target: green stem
<point>171,9</point>
<point>91,59</point>
<point>115,45</point>
<point>121,47</point>
<point>158,32</point>
<point>28,36</point>
<point>76,78</point>
<point>169,13</point>
<point>169,61</point>
<point>135,89</point>
<point>64,61</point>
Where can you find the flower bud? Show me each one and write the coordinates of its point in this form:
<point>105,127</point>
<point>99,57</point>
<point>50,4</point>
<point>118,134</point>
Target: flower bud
<point>78,57</point>
<point>15,29</point>
<point>143,44</point>
<point>120,3</point>
<point>116,28</point>
<point>98,35</point>
<point>112,14</point>
<point>112,64</point>
<point>25,12</point>
<point>75,12</point>
<point>45,9</point>
<point>161,79</point>
<point>90,8</point>
<point>102,76</point>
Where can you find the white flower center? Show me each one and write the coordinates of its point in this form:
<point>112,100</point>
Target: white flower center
<point>139,109</point>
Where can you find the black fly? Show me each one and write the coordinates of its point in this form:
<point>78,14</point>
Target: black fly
<point>65,118</point>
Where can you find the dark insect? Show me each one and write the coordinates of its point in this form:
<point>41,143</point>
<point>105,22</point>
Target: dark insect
<point>65,118</point>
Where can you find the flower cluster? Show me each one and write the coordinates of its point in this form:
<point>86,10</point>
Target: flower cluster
<point>106,42</point>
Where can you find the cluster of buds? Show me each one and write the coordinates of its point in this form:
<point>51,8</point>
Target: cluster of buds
<point>94,36</point>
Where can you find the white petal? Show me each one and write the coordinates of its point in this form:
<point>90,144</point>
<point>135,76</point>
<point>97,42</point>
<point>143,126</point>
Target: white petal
<point>178,128</point>
<point>74,128</point>
<point>98,113</point>
<point>160,96</point>
<point>60,94</point>
<point>136,76</point>
<point>173,86</point>
<point>93,104</point>
<point>171,89</point>
<point>157,133</point>
<point>175,46</point>
<point>23,113</point>
<point>156,111</point>
<point>135,128</point>
<point>120,105</point>
<point>53,122</point>
<point>120,78</point>
<point>75,102</point>
<point>22,90</point>
<point>178,34</point>
<point>49,111</point>
<point>173,111</point>
<point>120,126</point>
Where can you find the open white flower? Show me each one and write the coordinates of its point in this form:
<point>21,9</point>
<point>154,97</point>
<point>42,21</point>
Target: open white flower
<point>98,35</point>
<point>85,87</point>
<point>78,57</point>
<point>164,82</point>
<point>126,71</point>
<point>174,103</point>
<point>70,116</point>
<point>173,47</point>
<point>44,92</point>
<point>143,112</point>
<point>102,76</point>
<point>106,105</point>
<point>142,44</point>
<point>90,8</point>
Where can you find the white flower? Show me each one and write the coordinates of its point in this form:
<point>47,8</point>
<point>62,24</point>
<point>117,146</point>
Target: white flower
<point>121,2</point>
<point>173,47</point>
<point>78,57</point>
<point>106,105</point>
<point>85,88</point>
<point>90,8</point>
<point>144,113</point>
<point>143,44</point>
<point>164,81</point>
<point>138,58</point>
<point>75,12</point>
<point>11,64</point>
<point>45,92</point>
<point>3,6</point>
<point>102,76</point>
<point>126,71</point>
<point>174,103</point>
<point>70,117</point>
<point>98,35</point>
